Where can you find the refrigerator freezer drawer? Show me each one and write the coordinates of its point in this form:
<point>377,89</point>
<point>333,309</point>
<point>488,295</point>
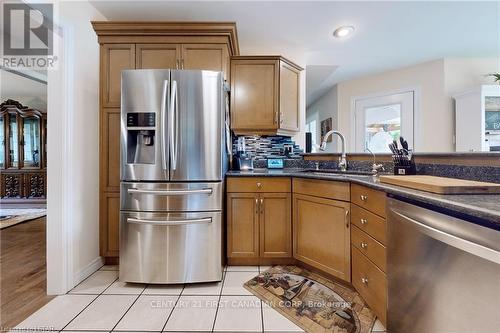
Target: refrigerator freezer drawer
<point>170,247</point>
<point>171,196</point>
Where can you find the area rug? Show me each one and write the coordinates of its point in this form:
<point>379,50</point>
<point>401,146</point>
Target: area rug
<point>10,217</point>
<point>314,303</point>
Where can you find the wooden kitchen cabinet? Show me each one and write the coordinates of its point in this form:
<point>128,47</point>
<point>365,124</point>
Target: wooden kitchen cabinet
<point>265,95</point>
<point>204,56</point>
<point>114,59</point>
<point>214,57</point>
<point>321,234</point>
<point>242,225</point>
<point>158,56</point>
<point>259,226</point>
<point>275,225</point>
<point>369,254</point>
<point>148,45</point>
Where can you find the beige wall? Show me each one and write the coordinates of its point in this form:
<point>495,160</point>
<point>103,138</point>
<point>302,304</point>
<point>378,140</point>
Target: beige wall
<point>435,82</point>
<point>433,127</point>
<point>321,109</point>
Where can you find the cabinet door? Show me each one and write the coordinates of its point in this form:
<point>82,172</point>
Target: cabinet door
<point>242,225</point>
<point>289,97</point>
<point>110,222</point>
<point>321,234</point>
<point>35,185</point>
<point>254,89</point>
<point>11,185</point>
<point>214,57</point>
<point>275,225</point>
<point>114,59</point>
<point>110,149</point>
<point>157,56</point>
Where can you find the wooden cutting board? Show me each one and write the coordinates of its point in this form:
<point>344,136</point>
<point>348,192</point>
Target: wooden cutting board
<point>442,185</point>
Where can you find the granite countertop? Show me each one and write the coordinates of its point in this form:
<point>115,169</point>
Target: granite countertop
<point>477,208</point>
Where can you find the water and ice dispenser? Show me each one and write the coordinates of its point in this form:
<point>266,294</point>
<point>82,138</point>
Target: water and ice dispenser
<point>141,137</point>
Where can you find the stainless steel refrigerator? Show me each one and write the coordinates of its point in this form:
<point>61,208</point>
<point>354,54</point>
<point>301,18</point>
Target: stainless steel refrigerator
<point>173,160</point>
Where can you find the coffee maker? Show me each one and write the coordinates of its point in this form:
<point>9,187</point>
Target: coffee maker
<point>242,160</point>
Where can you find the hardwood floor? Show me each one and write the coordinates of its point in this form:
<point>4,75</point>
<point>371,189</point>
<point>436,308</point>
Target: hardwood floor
<point>23,275</point>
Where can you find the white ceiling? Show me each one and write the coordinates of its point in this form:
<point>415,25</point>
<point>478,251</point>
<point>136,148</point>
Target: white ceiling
<point>388,34</point>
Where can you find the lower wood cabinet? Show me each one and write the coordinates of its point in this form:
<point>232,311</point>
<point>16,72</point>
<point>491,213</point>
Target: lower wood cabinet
<point>258,226</point>
<point>371,283</point>
<point>109,230</point>
<point>321,235</point>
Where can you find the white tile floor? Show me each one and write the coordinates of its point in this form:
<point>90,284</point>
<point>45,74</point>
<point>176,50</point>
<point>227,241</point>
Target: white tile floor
<point>101,303</point>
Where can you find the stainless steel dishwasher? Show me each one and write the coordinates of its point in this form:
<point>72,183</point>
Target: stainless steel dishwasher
<point>443,273</point>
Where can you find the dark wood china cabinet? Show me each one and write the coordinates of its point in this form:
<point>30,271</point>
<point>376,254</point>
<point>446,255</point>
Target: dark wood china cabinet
<point>23,157</point>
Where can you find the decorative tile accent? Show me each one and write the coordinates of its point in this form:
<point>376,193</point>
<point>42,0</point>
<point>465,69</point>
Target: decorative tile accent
<point>263,147</point>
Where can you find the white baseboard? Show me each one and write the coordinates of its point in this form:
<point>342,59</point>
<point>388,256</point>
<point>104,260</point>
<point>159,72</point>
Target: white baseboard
<point>86,271</point>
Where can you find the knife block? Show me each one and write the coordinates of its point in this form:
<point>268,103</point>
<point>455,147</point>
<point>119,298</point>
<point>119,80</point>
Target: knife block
<point>406,168</point>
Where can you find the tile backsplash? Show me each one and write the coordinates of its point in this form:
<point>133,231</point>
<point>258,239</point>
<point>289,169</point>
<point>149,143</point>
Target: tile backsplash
<point>263,147</point>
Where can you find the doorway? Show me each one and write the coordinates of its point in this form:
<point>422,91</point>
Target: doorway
<point>382,118</point>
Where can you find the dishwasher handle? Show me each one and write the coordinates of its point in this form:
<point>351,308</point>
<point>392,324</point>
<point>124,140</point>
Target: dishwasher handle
<point>457,242</point>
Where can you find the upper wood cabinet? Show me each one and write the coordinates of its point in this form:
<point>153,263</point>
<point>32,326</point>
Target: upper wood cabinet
<point>114,59</point>
<point>157,56</point>
<point>205,56</point>
<point>265,95</point>
<point>148,45</point>
<point>213,57</point>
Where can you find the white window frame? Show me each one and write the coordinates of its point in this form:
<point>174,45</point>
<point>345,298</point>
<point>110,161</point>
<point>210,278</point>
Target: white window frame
<point>416,113</point>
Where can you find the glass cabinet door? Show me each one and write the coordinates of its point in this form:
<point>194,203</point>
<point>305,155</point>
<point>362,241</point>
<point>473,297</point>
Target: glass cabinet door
<point>31,142</point>
<point>2,143</point>
<point>13,142</point>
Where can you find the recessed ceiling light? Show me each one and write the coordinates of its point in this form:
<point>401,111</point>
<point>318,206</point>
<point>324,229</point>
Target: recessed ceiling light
<point>343,31</point>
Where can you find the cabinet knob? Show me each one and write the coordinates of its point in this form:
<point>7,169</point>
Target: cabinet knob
<point>364,221</point>
<point>363,197</point>
<point>259,185</point>
<point>364,245</point>
<point>364,280</point>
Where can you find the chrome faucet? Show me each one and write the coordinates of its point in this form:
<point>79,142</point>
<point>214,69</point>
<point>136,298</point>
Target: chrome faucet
<point>375,167</point>
<point>343,157</point>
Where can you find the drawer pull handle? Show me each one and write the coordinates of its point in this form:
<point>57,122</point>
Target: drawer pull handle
<point>364,245</point>
<point>364,280</point>
<point>259,185</point>
<point>363,197</point>
<point>256,206</point>
<point>364,221</point>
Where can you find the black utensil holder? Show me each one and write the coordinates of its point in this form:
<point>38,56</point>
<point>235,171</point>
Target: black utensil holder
<point>408,168</point>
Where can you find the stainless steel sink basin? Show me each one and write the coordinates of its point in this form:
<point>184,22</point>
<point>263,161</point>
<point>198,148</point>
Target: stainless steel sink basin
<point>336,172</point>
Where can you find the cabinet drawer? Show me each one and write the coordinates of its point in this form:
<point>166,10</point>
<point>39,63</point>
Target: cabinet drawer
<point>370,223</point>
<point>369,199</point>
<point>371,283</point>
<point>258,184</point>
<point>322,188</point>
<point>372,249</point>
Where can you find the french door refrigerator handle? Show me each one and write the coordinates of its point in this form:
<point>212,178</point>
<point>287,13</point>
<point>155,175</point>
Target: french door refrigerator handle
<point>173,125</point>
<point>169,222</point>
<point>170,192</point>
<point>162,125</point>
<point>452,240</point>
